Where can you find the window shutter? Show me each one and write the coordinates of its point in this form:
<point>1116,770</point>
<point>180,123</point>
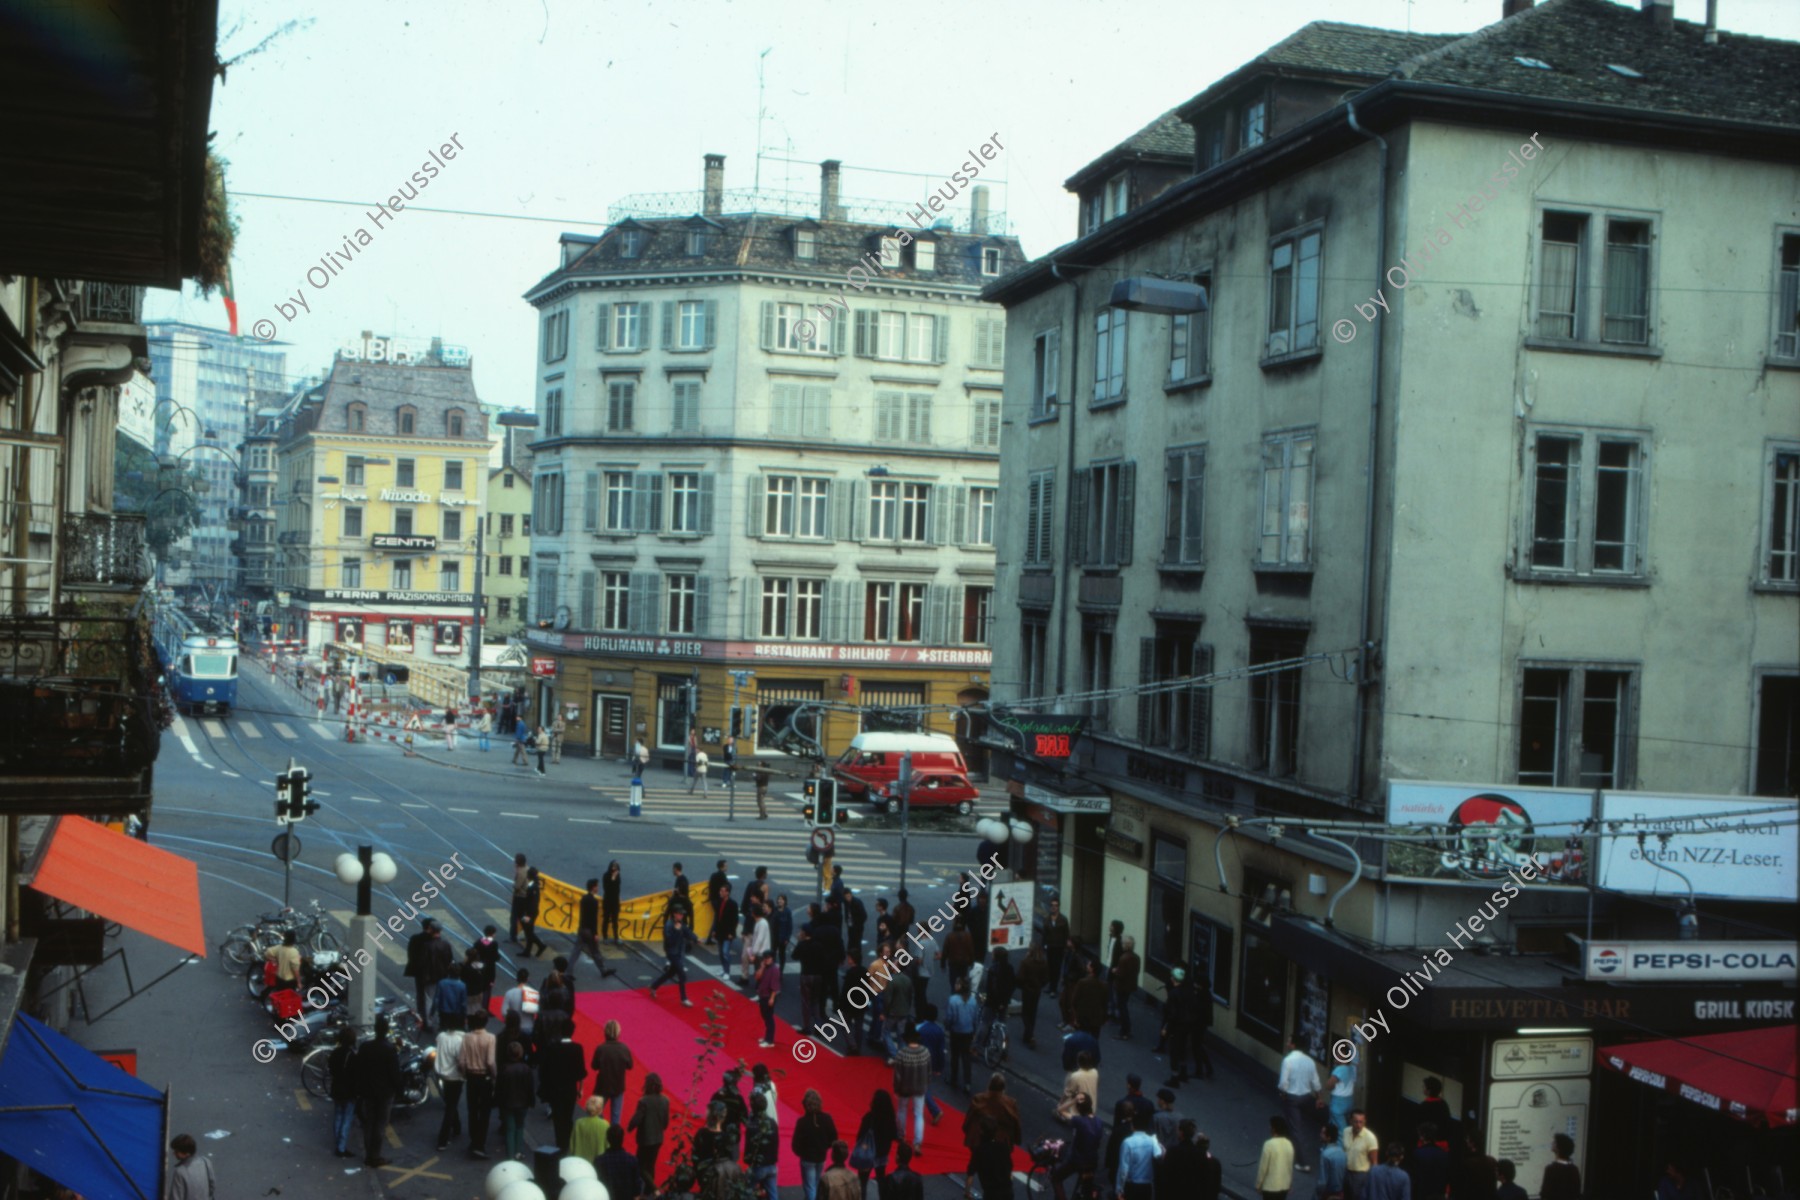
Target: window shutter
<point>834,331</point>
<point>981,340</point>
<point>859,510</point>
<point>629,395</point>
<point>1146,723</point>
<point>646,502</point>
<point>753,506</point>
<point>706,503</point>
<point>1100,349</point>
<point>939,529</point>
<point>587,599</point>
<point>712,324</point>
<point>1127,510</point>
<point>606,314</point>
<point>781,409</point>
<point>1116,382</point>
<point>1034,515</point>
<point>1052,365</point>
<point>668,324</point>
<point>818,411</point>
<point>1200,705</point>
<point>1078,530</point>
<point>1047,520</point>
<point>702,606</point>
<point>959,519</point>
<point>752,607</point>
<point>840,603</point>
<point>1194,504</point>
<point>937,600</point>
<point>940,336</point>
<point>646,588</point>
<point>590,503</point>
<point>865,333</point>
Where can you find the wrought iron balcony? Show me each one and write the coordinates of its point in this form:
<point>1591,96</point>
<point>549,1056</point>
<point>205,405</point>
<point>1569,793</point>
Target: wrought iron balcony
<point>105,550</point>
<point>118,303</point>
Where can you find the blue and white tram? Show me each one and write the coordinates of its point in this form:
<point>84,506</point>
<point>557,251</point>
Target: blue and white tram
<point>201,668</point>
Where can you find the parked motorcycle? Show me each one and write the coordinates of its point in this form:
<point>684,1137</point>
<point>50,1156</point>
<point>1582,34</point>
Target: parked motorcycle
<point>417,1073</point>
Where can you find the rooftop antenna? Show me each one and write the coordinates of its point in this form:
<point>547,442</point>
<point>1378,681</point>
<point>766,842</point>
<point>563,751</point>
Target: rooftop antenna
<point>757,184</point>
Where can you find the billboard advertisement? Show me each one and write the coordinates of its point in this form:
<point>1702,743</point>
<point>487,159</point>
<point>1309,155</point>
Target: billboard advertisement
<point>1482,831</point>
<point>1746,857</point>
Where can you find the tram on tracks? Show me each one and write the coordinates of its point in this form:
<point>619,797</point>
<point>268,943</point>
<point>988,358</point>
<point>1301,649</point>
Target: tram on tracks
<point>200,664</point>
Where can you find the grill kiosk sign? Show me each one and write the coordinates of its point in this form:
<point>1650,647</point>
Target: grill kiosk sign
<point>1680,962</point>
<point>1746,857</point>
<point>1487,830</point>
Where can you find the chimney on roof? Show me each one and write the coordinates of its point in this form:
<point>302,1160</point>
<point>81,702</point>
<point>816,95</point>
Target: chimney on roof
<point>715,185</point>
<point>978,210</point>
<point>1661,12</point>
<point>1712,22</point>
<point>828,190</point>
<point>1512,8</point>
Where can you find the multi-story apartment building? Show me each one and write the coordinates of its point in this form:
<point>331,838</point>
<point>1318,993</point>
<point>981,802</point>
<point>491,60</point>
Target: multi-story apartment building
<point>1445,417</point>
<point>208,384</point>
<point>768,442</point>
<point>507,526</point>
<point>258,487</point>
<point>381,472</point>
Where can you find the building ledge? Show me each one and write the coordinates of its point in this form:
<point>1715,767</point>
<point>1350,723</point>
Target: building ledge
<point>1605,349</point>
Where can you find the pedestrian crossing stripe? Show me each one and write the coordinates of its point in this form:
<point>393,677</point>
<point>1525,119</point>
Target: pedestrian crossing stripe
<point>250,729</point>
<point>212,727</point>
<point>283,730</point>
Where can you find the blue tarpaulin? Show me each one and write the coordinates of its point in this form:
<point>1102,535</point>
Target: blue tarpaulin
<point>73,1117</point>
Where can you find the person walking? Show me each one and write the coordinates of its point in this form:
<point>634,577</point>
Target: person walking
<point>522,999</point>
<point>1081,1149</point>
<point>618,1168</point>
<point>839,1181</point>
<point>998,985</point>
<point>610,885</point>
<point>1332,1164</point>
<point>1056,944</point>
<point>814,1136</point>
<point>1360,1152</point>
<point>995,1106</point>
<point>521,735</point>
<point>768,990</point>
<point>650,1122</point>
<point>726,927</point>
<point>476,1061</point>
<point>729,755</point>
<point>512,1092</point>
<point>902,1183</point>
<point>587,1141</point>
<point>541,743</point>
<point>447,1063</point>
<point>450,728</point>
<point>640,758</point>
<point>587,930</point>
<point>452,995</point>
<point>481,968</point>
<point>990,1160</point>
<point>192,1177</point>
<point>878,1132</point>
<point>912,1081</point>
<point>559,727</point>
<point>697,772</point>
<point>1124,980</point>
<point>612,1063</point>
<point>418,969</point>
<point>781,929</point>
<point>958,951</point>
<point>762,793</point>
<point>762,1148</point>
<point>760,941</point>
<point>377,1072</point>
<point>1033,972</point>
<point>562,1066</point>
<point>1429,1165</point>
<point>676,936</point>
<point>900,1004</point>
<point>534,895</point>
<point>960,1021</point>
<point>1388,1179</point>
<point>1138,1154</point>
<point>1132,1106</point>
<point>521,876</point>
<point>343,1091</point>
<point>484,729</point>
<point>1301,1092</point>
<point>1275,1168</point>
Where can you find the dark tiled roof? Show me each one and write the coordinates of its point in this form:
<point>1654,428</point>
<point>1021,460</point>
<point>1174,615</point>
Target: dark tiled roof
<point>1168,137</point>
<point>385,387</point>
<point>763,241</point>
<point>1740,78</point>
<point>1329,49</point>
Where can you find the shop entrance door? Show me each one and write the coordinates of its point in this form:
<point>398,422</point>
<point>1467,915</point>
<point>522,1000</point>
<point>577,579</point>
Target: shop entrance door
<point>612,726</point>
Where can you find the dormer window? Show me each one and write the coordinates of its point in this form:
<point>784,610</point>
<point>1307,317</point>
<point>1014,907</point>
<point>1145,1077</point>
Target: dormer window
<point>1115,197</point>
<point>696,243</point>
<point>1212,145</point>
<point>990,260</point>
<point>453,422</point>
<point>356,418</point>
<point>924,254</point>
<point>407,420</point>
<point>631,243</point>
<point>806,243</point>
<point>890,253</point>
<point>1253,130</point>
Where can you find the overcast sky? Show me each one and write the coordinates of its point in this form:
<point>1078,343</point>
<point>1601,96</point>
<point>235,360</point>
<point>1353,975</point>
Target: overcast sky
<point>564,107</point>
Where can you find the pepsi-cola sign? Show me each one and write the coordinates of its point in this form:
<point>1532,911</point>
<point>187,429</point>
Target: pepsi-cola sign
<point>1477,833</point>
<point>1680,962</point>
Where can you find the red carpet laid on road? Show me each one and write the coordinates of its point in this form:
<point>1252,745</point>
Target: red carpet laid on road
<point>666,1038</point>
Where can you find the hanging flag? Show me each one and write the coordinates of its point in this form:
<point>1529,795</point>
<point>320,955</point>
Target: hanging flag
<point>229,295</point>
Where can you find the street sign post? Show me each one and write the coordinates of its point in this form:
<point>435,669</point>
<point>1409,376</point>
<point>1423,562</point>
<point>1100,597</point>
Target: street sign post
<point>904,784</point>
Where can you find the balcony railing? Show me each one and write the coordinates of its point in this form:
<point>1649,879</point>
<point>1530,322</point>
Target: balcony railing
<point>105,550</point>
<point>118,303</point>
<point>77,697</point>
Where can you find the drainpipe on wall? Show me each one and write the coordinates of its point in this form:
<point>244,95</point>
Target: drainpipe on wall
<point>1069,531</point>
<point>1359,743</point>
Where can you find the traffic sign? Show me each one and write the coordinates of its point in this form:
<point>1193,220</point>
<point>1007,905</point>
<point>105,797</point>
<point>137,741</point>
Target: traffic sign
<point>823,839</point>
<point>286,847</point>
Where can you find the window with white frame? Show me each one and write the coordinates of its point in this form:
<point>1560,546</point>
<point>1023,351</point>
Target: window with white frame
<point>619,488</point>
<point>884,510</point>
<point>799,410</point>
<point>1586,516</point>
<point>1179,718</point>
<point>556,337</point>
<point>684,502</point>
<point>615,600</point>
<point>691,322</point>
<point>899,337</point>
<point>798,333</point>
<point>696,242</point>
<point>893,612</point>
<point>924,254</point>
<point>1781,518</point>
<point>401,575</point>
<point>1040,507</point>
<point>1294,293</point>
<point>631,243</point>
<point>890,253</point>
<point>990,260</point>
<point>1589,289</point>
<point>813,509</point>
<point>809,609</point>
<point>1109,354</point>
<point>547,501</point>
<point>980,531</point>
<point>353,521</point>
<point>1787,297</point>
<point>621,396</point>
<point>1287,479</point>
<point>682,592</point>
<point>452,523</point>
<point>453,475</point>
<point>1115,197</point>
<point>1046,364</point>
<point>779,493</point>
<point>777,606</point>
<point>685,409</point>
<point>903,417</point>
<point>628,326</point>
<point>1185,488</point>
<point>977,614</point>
<point>450,576</point>
<point>350,571</point>
<point>1253,127</point>
<point>1576,724</point>
<point>915,505</point>
<point>1103,512</point>
<point>990,342</point>
<point>1275,700</point>
<point>984,420</point>
<point>806,243</point>
<point>1096,669</point>
<point>1190,340</point>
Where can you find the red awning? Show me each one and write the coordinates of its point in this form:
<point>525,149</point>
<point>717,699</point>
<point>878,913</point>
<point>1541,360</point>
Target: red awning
<point>1748,1075</point>
<point>124,880</point>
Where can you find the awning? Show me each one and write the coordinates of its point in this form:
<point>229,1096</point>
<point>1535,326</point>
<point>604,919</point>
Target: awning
<point>124,880</point>
<point>1748,1074</point>
<point>76,1118</point>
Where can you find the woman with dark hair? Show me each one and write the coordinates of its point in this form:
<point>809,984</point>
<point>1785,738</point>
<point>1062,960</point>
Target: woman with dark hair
<point>650,1121</point>
<point>610,884</point>
<point>811,1141</point>
<point>1562,1178</point>
<point>878,1132</point>
<point>1275,1170</point>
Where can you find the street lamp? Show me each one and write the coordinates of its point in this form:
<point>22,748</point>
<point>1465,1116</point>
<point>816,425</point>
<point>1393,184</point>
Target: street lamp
<point>364,869</point>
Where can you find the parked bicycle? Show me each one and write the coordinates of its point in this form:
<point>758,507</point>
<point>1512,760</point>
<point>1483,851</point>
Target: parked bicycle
<point>990,1043</point>
<point>416,1073</point>
<point>247,943</point>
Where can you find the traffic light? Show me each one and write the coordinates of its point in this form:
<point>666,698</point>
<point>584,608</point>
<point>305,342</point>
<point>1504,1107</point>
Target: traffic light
<point>825,802</point>
<point>809,791</point>
<point>293,796</point>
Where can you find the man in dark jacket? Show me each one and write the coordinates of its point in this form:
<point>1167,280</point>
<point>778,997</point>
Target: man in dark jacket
<point>858,917</point>
<point>562,1066</point>
<point>1087,1003</point>
<point>1125,983</point>
<point>612,1062</point>
<point>1125,1115</point>
<point>1187,1014</point>
<point>830,938</point>
<point>717,881</point>
<point>587,932</point>
<point>376,1068</point>
<point>418,969</point>
<point>1189,1169</point>
<point>676,936</point>
<point>902,1183</point>
<point>1056,943</point>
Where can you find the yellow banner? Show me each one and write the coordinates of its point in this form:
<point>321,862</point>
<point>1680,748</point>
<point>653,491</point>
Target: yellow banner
<point>640,918</point>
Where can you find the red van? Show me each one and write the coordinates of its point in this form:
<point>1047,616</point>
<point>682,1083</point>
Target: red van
<point>873,759</point>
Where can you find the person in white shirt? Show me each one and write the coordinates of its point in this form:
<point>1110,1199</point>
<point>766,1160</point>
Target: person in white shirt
<point>1301,1095</point>
<point>522,999</point>
<point>699,776</point>
<point>450,1077</point>
<point>756,945</point>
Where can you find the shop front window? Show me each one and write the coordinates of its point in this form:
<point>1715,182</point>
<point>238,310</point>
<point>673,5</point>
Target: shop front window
<point>1262,1009</point>
<point>1164,943</point>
